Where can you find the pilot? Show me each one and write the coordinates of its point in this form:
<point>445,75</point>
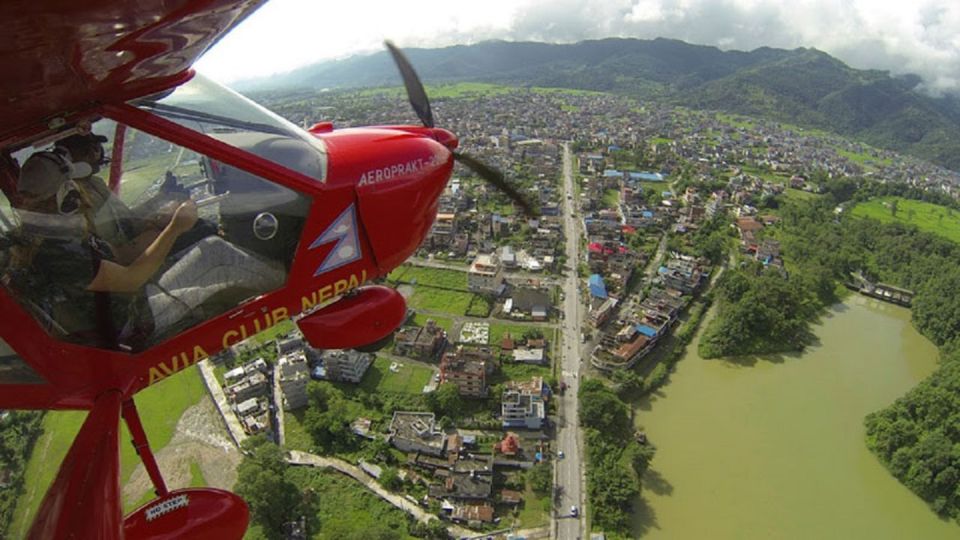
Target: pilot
<point>105,302</point>
<point>130,231</point>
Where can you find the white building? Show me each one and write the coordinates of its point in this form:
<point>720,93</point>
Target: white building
<point>522,409</point>
<point>294,375</point>
<point>485,275</point>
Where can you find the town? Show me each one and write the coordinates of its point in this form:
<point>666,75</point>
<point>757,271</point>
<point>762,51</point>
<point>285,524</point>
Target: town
<point>640,209</point>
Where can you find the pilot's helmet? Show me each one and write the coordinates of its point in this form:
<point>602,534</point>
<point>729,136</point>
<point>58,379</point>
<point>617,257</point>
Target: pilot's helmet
<point>46,174</point>
<point>86,147</point>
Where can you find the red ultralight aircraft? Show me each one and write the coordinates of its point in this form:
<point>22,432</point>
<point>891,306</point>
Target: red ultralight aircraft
<point>319,213</point>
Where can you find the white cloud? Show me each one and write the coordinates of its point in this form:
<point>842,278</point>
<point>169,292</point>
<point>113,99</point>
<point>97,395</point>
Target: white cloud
<point>922,36</point>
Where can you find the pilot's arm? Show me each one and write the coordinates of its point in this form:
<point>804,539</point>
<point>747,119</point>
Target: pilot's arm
<point>113,277</point>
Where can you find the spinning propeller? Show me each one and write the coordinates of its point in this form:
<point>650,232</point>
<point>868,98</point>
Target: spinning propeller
<point>421,105</point>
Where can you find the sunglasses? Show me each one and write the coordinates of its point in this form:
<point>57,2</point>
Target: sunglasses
<point>68,198</point>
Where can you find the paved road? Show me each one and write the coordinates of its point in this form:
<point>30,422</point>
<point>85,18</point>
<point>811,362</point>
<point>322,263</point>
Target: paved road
<point>568,474</point>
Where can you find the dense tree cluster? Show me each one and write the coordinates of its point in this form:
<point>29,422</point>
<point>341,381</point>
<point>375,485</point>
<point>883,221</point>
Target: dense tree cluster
<point>18,431</point>
<point>918,438</point>
<point>262,482</point>
<point>615,461</point>
<point>760,311</point>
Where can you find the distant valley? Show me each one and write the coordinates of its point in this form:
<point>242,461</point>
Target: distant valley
<point>805,87</point>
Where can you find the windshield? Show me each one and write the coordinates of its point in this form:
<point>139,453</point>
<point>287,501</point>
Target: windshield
<point>205,106</point>
<point>109,197</point>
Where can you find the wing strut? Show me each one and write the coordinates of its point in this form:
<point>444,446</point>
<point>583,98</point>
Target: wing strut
<point>84,499</point>
<point>142,446</point>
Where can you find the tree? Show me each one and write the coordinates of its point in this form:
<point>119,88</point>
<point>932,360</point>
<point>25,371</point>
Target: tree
<point>263,484</point>
<point>640,456</point>
<point>390,479</point>
<point>431,530</point>
<point>540,478</point>
<point>446,400</point>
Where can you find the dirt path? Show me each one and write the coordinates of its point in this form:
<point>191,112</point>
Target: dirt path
<point>199,438</point>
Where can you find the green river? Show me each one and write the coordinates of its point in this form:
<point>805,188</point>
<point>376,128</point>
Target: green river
<point>773,447</point>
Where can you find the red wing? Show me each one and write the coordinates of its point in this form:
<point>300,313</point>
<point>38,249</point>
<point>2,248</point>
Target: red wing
<point>61,55</point>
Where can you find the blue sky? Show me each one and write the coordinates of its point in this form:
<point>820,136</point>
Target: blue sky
<point>921,36</point>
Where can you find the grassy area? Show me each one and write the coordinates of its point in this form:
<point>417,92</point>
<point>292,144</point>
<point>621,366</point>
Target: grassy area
<point>409,378</point>
<point>160,407</point>
<point>480,306</point>
<point>433,277</point>
<point>660,140</point>
<point>611,198</point>
<point>497,331</point>
<point>196,475</point>
<point>925,216</point>
<point>443,322</point>
<point>354,512</point>
<point>799,194</point>
<point>512,371</point>
<point>535,511</point>
<point>442,300</point>
<point>295,437</point>
<point>275,331</point>
<point>864,158</point>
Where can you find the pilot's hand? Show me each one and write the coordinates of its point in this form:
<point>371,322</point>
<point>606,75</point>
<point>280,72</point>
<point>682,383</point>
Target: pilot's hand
<point>184,217</point>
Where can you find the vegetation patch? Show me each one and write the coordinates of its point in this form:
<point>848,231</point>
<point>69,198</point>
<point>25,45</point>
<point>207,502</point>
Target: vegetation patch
<point>431,277</point>
<point>615,460</point>
<point>442,300</point>
<point>387,375</point>
<point>925,216</point>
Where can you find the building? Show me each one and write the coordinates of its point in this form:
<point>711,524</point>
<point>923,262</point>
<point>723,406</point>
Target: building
<point>346,365</point>
<point>467,370</point>
<point>470,486</point>
<point>417,432</point>
<point>523,405</point>
<point>294,375</point>
<point>485,275</point>
<point>533,302</point>
<point>530,356</point>
<point>289,344</point>
<point>254,385</point>
<point>473,514</point>
<point>422,343</point>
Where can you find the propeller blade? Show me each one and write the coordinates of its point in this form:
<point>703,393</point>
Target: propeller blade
<point>497,179</point>
<point>415,92</point>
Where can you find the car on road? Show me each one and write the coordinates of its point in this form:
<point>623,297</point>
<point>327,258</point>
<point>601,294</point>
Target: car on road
<point>560,454</point>
<point>574,511</point>
<point>436,377</point>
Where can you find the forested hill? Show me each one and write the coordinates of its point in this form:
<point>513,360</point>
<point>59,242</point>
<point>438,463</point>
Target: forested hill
<point>802,86</point>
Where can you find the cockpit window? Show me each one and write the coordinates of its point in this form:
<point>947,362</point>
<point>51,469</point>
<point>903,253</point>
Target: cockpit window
<point>205,106</point>
<point>120,239</point>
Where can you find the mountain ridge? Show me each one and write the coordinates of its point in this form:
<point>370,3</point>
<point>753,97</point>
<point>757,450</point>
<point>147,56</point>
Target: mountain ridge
<point>803,86</point>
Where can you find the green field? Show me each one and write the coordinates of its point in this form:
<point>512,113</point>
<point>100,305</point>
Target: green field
<point>925,216</point>
<point>433,277</point>
<point>442,300</point>
<point>160,407</point>
<point>410,378</point>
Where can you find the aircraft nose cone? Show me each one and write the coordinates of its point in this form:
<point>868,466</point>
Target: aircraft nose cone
<point>398,175</point>
<point>445,138</point>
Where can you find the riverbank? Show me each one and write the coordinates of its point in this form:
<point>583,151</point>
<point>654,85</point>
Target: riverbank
<point>776,450</point>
